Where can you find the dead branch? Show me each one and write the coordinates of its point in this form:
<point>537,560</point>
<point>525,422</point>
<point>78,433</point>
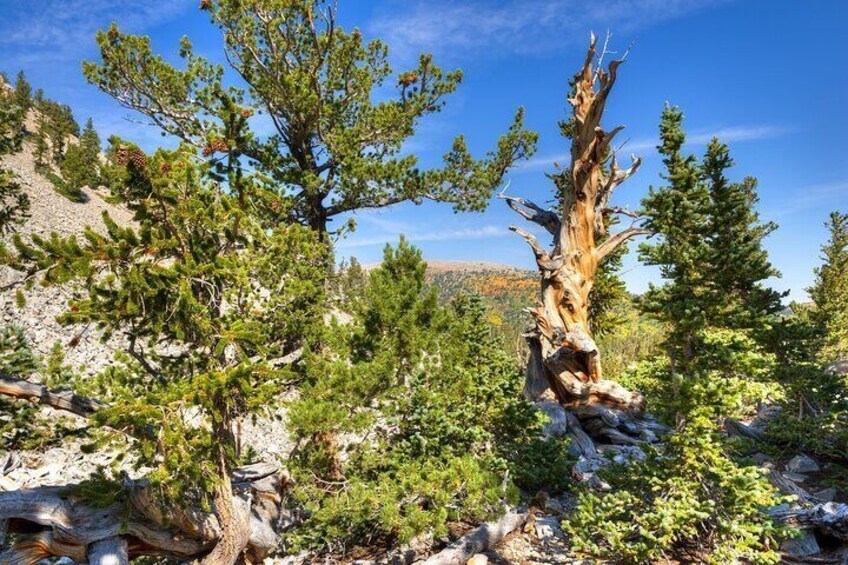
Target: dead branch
<point>485,537</point>
<point>617,239</point>
<point>532,212</point>
<point>40,394</point>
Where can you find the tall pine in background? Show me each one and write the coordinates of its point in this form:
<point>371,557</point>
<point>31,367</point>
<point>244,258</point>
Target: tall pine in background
<point>830,290</point>
<point>23,92</point>
<point>81,165</point>
<point>14,203</point>
<point>678,214</point>
<point>739,264</point>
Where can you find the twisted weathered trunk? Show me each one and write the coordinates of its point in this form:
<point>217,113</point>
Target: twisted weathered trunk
<point>53,522</point>
<point>564,358</point>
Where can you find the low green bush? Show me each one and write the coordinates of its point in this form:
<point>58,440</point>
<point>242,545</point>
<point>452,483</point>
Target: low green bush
<point>70,192</point>
<point>688,502</point>
<point>412,418</point>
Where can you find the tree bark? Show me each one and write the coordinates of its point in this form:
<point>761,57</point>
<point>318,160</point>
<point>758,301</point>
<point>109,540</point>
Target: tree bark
<point>110,551</point>
<point>564,357</point>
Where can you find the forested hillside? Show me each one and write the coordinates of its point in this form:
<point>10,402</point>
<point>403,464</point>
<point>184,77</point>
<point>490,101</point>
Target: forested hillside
<point>189,374</point>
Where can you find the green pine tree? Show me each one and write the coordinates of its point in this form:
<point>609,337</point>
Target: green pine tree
<point>609,293</point>
<point>76,173</point>
<point>14,203</point>
<point>830,290</point>
<point>209,290</point>
<point>739,263</point>
<point>81,165</point>
<point>337,144</point>
<point>678,214</point>
<point>425,404</point>
<point>40,151</point>
<point>23,92</point>
<point>90,141</point>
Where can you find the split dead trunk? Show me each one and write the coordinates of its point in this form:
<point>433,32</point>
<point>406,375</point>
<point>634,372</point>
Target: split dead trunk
<point>564,359</point>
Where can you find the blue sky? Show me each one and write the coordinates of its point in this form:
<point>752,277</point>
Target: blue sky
<point>766,76</point>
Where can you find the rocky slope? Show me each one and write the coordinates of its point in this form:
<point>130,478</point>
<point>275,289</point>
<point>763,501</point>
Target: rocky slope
<point>50,212</point>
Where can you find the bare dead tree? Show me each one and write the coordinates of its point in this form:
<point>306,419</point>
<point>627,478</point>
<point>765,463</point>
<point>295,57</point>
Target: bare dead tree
<point>564,359</point>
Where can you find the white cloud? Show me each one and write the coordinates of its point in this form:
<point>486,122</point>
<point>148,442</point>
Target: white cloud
<point>647,146</point>
<point>517,26</point>
<point>62,30</point>
<point>450,235</point>
<point>810,197</point>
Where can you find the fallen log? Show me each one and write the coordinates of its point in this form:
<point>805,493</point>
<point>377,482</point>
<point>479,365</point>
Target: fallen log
<point>484,537</point>
<point>830,518</point>
<point>737,428</point>
<point>789,487</point>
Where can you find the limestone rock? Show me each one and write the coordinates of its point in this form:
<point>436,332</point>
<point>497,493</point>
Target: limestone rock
<point>825,495</point>
<point>804,546</point>
<point>802,464</point>
<point>547,527</point>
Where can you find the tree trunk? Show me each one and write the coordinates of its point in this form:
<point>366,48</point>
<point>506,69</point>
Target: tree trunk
<point>564,358</point>
<point>110,551</point>
<point>233,515</point>
<point>52,522</point>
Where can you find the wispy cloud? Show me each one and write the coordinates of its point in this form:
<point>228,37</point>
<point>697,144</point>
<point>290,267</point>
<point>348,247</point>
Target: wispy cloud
<point>518,26</point>
<point>449,235</point>
<point>647,146</point>
<point>62,30</point>
<point>808,198</point>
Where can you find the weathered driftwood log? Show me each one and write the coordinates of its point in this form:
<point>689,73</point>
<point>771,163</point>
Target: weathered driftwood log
<point>790,487</point>
<point>56,523</point>
<point>482,538</point>
<point>830,518</point>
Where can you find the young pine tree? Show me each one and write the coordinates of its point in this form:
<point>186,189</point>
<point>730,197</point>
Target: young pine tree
<point>210,290</point>
<point>739,263</point>
<point>679,215</point>
<point>336,148</point>
<point>830,290</point>
<point>609,292</point>
<point>90,142</point>
<point>40,151</point>
<point>23,92</point>
<point>14,203</point>
<point>425,403</point>
<point>81,165</point>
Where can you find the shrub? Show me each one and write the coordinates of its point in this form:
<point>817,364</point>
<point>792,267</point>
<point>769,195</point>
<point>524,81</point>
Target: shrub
<point>74,194</point>
<point>20,424</point>
<point>411,418</point>
<point>690,502</point>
